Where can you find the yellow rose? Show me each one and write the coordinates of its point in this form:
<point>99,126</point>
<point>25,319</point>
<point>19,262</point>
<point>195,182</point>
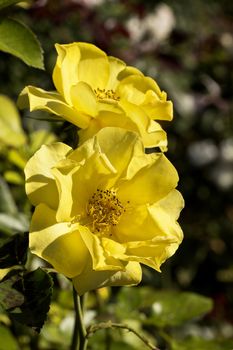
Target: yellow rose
<point>103,208</point>
<point>95,91</point>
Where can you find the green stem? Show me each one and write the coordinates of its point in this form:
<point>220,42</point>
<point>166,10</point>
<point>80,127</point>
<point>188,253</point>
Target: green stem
<point>105,325</point>
<point>79,340</point>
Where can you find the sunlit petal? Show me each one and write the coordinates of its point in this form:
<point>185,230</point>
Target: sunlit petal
<point>91,279</point>
<point>40,184</point>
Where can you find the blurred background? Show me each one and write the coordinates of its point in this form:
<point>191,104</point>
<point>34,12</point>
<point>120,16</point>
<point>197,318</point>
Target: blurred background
<point>187,47</point>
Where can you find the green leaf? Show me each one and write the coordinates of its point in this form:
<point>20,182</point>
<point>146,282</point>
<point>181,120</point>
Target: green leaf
<point>10,298</point>
<point>13,177</point>
<point>13,251</point>
<point>39,138</point>
<point>6,3</point>
<point>11,132</point>
<point>202,344</point>
<point>17,158</point>
<point>174,309</point>
<point>7,339</point>
<point>36,286</point>
<point>7,203</point>
<point>163,308</point>
<point>20,41</point>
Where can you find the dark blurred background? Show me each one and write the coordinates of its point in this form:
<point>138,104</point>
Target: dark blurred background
<point>187,47</point>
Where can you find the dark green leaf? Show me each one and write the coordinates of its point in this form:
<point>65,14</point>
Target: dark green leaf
<point>19,40</point>
<point>10,297</point>
<point>36,286</point>
<point>202,344</point>
<point>13,251</point>
<point>6,3</point>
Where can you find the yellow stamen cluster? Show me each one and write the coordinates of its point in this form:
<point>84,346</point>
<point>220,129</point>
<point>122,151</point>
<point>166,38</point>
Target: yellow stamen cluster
<point>102,94</point>
<point>105,210</point>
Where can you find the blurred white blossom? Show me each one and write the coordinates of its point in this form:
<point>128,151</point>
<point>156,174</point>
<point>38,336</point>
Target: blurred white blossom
<point>226,148</point>
<point>202,152</point>
<point>154,27</point>
<point>222,175</point>
<point>89,3</point>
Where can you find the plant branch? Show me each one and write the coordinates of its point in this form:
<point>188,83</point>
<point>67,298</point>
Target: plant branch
<point>105,325</point>
<point>79,339</point>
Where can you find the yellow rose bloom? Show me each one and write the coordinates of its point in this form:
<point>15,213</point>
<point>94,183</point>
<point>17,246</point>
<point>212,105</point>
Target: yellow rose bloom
<point>95,91</point>
<point>103,208</point>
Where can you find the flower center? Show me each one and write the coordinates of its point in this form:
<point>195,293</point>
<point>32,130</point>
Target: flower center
<point>104,209</point>
<point>103,94</point>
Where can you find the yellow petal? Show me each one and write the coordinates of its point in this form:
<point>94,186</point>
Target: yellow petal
<point>136,224</point>
<point>144,92</point>
<point>116,67</point>
<point>155,136</point>
<point>101,260</point>
<point>156,221</point>
<point>52,102</point>
<point>173,203</point>
<point>151,183</point>
<point>103,120</point>
<point>134,87</point>
<point>63,176</point>
<point>91,279</point>
<point>74,186</point>
<point>65,73</point>
<point>151,132</point>
<point>58,243</point>
<point>90,176</point>
<point>151,234</point>
<point>110,107</point>
<point>157,108</point>
<point>129,70</point>
<point>119,146</point>
<point>88,133</point>
<point>152,254</point>
<point>84,99</point>
<point>113,248</point>
<point>166,212</point>
<point>40,184</point>
<point>93,67</point>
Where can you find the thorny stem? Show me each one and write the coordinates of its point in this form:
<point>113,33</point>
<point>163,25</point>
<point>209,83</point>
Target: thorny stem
<point>105,325</point>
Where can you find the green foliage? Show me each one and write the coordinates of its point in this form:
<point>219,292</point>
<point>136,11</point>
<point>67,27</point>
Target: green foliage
<point>18,40</point>
<point>7,203</point>
<point>176,308</point>
<point>6,3</point>
<point>161,308</point>
<point>13,223</point>
<point>11,132</point>
<point>10,298</point>
<point>36,286</point>
<point>98,341</point>
<point>7,339</point>
<point>202,344</point>
<point>13,251</point>
<point>26,296</point>
<point>195,68</point>
<point>11,220</point>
